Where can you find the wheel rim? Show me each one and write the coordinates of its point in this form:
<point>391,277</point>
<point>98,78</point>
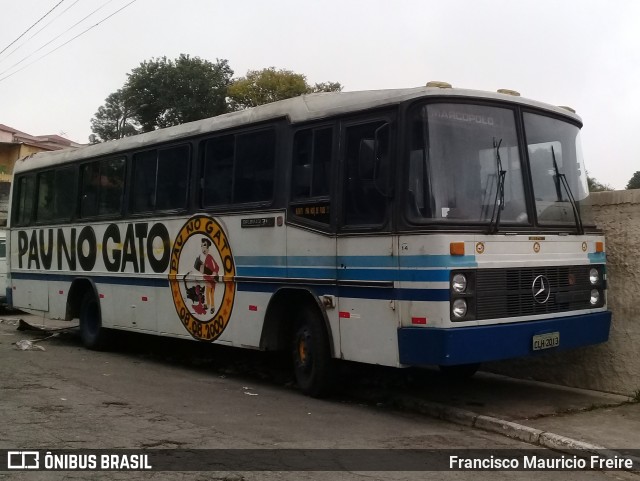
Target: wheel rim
<point>303,352</point>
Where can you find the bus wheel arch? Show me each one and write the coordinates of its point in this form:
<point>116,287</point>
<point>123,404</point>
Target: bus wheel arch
<point>278,323</point>
<point>296,322</point>
<point>78,288</point>
<point>83,302</point>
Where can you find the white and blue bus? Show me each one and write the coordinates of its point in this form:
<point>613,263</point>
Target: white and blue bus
<point>411,227</point>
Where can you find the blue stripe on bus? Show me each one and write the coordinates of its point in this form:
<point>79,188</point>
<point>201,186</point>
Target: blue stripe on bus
<point>597,257</point>
<point>389,293</point>
<point>358,261</point>
<point>436,275</point>
<point>355,292</point>
<point>128,281</point>
<point>311,273</point>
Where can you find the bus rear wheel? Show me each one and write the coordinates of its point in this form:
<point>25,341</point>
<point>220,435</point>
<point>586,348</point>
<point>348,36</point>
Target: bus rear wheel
<point>312,363</point>
<point>93,335</point>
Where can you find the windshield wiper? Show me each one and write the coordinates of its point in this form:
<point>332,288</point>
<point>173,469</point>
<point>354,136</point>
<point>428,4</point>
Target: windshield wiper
<point>498,203</point>
<point>563,180</point>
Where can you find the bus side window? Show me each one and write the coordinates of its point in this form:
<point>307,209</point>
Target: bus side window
<point>254,172</point>
<point>217,171</point>
<point>365,202</point>
<point>111,186</point>
<point>24,204</point>
<point>160,179</point>
<point>46,196</point>
<point>56,194</point>
<point>312,163</point>
<point>90,182</point>
<point>145,167</point>
<point>302,164</point>
<point>101,187</point>
<point>23,198</point>
<point>173,175</point>
<point>65,193</point>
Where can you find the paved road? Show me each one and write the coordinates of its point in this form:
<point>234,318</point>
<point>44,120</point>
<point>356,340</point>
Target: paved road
<point>159,393</point>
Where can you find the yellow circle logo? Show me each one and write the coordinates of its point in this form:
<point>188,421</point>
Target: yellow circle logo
<point>480,247</point>
<point>536,247</point>
<point>584,247</point>
<point>201,275</point>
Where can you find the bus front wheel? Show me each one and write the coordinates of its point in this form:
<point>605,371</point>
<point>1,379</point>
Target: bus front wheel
<point>93,335</point>
<point>312,363</point>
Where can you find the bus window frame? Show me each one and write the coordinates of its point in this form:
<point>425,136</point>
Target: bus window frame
<point>314,201</point>
<point>117,215</point>
<point>390,117</point>
<point>36,195</point>
<point>281,138</point>
<point>129,180</point>
<point>15,196</point>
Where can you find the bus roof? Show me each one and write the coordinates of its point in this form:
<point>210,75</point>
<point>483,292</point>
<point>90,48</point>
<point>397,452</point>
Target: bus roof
<point>296,110</point>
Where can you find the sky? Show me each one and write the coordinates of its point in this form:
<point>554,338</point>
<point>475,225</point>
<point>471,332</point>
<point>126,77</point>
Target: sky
<point>580,53</point>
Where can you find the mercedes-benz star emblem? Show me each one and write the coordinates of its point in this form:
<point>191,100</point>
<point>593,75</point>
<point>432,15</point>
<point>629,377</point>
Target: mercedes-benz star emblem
<point>541,289</point>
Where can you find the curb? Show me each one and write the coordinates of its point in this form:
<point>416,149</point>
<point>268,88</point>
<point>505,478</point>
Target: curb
<point>500,426</point>
<point>513,430</point>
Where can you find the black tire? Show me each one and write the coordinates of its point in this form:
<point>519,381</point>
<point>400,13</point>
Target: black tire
<point>312,362</point>
<point>461,371</point>
<point>93,335</point>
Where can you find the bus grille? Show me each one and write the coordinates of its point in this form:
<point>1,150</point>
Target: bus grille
<point>509,292</point>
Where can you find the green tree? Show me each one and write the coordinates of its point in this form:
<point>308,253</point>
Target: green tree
<point>260,87</point>
<point>595,186</point>
<point>163,92</point>
<point>327,87</point>
<point>634,182</point>
<point>112,120</point>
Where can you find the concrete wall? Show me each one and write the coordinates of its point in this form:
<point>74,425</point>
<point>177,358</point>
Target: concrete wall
<point>615,365</point>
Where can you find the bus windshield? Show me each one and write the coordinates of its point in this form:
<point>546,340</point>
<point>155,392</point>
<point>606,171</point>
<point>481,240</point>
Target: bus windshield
<point>464,165</point>
<point>554,151</point>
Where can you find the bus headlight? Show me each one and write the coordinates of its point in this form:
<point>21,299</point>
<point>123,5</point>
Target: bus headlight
<point>594,276</point>
<point>459,308</point>
<point>459,283</point>
<point>595,297</point>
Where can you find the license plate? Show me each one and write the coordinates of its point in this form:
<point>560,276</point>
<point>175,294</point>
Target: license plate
<point>546,341</point>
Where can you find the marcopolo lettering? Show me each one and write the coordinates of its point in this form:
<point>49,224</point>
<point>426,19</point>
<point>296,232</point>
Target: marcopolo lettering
<point>126,247</point>
<point>462,117</point>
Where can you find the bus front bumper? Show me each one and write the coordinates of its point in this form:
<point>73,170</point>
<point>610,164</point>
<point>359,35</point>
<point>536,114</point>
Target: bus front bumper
<point>466,345</point>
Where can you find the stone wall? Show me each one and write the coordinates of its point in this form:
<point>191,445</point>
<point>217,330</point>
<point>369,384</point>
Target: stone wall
<point>615,365</point>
